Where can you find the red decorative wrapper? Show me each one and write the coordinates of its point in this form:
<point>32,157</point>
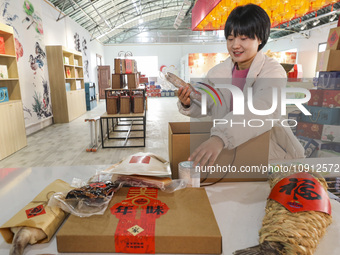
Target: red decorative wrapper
<point>39,210</point>
<point>301,192</point>
<point>333,39</point>
<point>137,214</point>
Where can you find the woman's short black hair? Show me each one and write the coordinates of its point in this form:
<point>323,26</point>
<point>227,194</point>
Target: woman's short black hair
<point>249,20</point>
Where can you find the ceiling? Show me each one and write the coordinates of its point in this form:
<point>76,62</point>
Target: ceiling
<point>152,21</point>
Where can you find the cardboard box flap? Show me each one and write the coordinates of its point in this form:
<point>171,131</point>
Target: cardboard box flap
<point>184,137</point>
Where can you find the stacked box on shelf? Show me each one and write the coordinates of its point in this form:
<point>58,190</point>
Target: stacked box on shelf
<point>309,144</point>
<point>112,102</point>
<point>125,74</point>
<point>119,66</point>
<point>125,105</point>
<point>324,105</point>
<point>293,118</point>
<point>322,115</point>
<point>132,81</point>
<point>90,95</point>
<point>118,81</point>
<point>137,104</point>
<point>154,91</point>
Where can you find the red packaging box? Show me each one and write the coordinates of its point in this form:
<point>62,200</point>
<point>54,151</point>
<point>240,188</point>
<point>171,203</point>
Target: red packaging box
<point>310,130</point>
<point>331,98</point>
<point>333,42</point>
<point>2,45</point>
<point>316,97</point>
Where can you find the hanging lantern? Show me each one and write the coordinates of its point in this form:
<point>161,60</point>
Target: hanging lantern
<point>303,9</point>
<point>317,4</point>
<point>281,11</point>
<point>332,2</point>
<point>290,14</point>
<point>224,7</point>
<point>258,2</point>
<point>237,2</point>
<point>270,6</point>
<point>296,5</point>
<point>311,4</point>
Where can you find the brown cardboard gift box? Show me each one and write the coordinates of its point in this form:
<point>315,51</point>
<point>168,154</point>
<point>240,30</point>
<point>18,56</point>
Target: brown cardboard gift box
<point>137,104</point>
<point>119,66</point>
<point>183,135</point>
<point>132,81</point>
<point>112,105</point>
<point>117,81</point>
<point>333,41</point>
<point>328,60</point>
<point>146,220</point>
<point>125,107</point>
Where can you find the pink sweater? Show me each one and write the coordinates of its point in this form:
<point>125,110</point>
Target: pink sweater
<point>238,80</point>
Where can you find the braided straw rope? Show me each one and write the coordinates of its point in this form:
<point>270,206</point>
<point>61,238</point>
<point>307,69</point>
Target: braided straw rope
<point>300,232</point>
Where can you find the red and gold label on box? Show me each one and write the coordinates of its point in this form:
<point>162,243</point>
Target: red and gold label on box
<point>331,98</point>
<point>137,214</point>
<point>36,211</point>
<point>333,38</point>
<point>310,130</point>
<point>301,192</point>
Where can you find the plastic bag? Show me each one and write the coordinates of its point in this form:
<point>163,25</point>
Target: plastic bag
<point>163,183</point>
<point>86,199</point>
<point>142,164</point>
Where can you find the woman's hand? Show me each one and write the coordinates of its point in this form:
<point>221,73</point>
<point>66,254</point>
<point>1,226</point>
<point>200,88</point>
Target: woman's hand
<point>207,152</point>
<point>184,95</point>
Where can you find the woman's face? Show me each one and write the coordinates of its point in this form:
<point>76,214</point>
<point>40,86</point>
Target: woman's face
<point>242,48</point>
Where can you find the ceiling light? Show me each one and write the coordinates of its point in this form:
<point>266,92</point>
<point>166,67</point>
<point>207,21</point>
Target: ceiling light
<point>316,22</point>
<point>332,17</point>
<point>303,26</point>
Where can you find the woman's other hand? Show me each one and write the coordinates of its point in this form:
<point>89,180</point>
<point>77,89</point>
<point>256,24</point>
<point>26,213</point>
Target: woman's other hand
<point>184,95</point>
<point>207,152</point>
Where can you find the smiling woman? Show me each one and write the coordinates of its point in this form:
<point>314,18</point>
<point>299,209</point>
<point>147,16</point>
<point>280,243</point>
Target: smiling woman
<point>246,31</point>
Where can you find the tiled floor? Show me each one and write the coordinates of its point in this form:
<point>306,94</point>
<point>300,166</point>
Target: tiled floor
<point>65,144</point>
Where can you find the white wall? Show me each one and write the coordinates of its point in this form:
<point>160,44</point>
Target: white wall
<point>307,48</point>
<point>168,54</point>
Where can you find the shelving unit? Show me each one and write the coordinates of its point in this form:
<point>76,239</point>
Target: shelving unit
<point>91,100</point>
<point>12,128</point>
<point>135,122</point>
<point>66,105</point>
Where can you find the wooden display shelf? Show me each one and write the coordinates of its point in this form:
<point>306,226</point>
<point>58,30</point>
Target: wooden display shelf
<point>66,105</point>
<point>10,102</point>
<point>8,56</point>
<point>12,128</point>
<point>119,115</point>
<point>9,79</point>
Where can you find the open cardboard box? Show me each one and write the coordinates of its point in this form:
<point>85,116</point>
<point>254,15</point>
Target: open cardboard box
<point>184,137</point>
<point>146,220</point>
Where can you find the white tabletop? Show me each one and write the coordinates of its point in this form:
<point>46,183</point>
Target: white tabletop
<point>238,207</point>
